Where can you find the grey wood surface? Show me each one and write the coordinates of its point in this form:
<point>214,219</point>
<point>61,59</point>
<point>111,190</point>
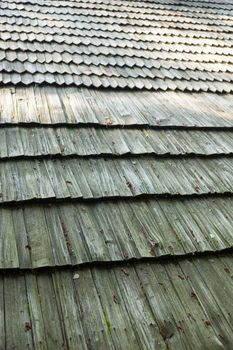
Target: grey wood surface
<point>143,305</point>
<point>116,204</point>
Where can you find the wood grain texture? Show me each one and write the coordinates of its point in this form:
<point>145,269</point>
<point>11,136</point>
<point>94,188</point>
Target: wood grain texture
<point>59,142</point>
<point>76,107</point>
<point>116,176</point>
<point>36,236</point>
<point>138,306</point>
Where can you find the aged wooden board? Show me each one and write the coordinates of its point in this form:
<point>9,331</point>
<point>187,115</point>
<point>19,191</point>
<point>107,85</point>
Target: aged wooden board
<point>180,305</point>
<point>72,234</point>
<point>75,107</point>
<point>113,142</point>
<point>96,178</point>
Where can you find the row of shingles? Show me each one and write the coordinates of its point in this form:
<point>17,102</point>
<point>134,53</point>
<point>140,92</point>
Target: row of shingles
<point>108,16</point>
<point>113,75</point>
<point>95,81</point>
<point>68,52</point>
<point>116,67</point>
<point>111,71</point>
<point>27,73</point>
<point>52,106</point>
<point>101,66</point>
<point>74,234</point>
<point>27,35</point>
<point>145,7</point>
<point>74,3</point>
<point>34,12</point>
<point>117,72</point>
<point>219,85</point>
<point>90,54</point>
<point>101,178</point>
<point>148,30</point>
<point>93,142</point>
<point>171,301</point>
<point>47,34</point>
<point>118,81</point>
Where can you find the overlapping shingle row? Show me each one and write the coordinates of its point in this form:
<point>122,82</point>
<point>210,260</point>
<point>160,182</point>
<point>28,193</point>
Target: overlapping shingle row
<point>118,308</point>
<point>21,180</point>
<point>75,107</point>
<point>120,44</point>
<point>23,142</point>
<point>65,234</point>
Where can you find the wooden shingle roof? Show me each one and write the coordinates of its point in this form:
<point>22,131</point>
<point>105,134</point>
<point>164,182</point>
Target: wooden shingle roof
<point>115,201</point>
<point>154,45</point>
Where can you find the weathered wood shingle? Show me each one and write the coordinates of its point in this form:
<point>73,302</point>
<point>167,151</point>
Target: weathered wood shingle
<point>141,306</point>
<point>65,234</point>
<point>50,106</point>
